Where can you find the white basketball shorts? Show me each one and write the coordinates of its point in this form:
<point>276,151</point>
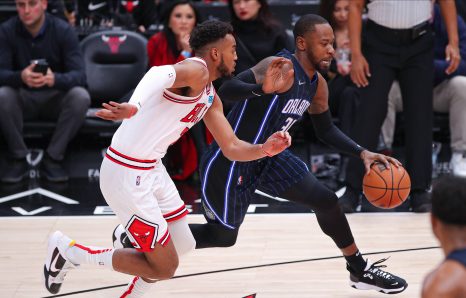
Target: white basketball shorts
<point>143,197</point>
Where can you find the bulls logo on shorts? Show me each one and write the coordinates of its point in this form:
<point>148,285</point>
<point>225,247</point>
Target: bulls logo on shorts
<point>142,233</point>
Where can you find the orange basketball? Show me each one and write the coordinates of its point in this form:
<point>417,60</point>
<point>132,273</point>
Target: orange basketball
<point>386,188</point>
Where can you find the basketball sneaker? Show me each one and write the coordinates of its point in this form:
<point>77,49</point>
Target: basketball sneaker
<point>56,263</point>
<point>120,238</point>
<point>374,278</point>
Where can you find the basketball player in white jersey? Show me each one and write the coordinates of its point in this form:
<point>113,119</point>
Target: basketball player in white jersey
<point>166,103</point>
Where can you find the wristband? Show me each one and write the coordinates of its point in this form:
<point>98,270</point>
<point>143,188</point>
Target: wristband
<point>265,152</point>
<point>186,54</point>
<point>256,90</point>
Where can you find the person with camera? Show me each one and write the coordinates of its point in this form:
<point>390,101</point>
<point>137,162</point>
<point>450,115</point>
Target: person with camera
<point>42,77</point>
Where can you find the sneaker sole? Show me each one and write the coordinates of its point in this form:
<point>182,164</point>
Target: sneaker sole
<point>364,286</point>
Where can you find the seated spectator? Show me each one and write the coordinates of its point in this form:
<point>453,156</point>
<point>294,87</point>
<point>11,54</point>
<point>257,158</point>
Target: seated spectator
<point>258,34</point>
<point>169,46</point>
<point>52,91</point>
<point>449,94</point>
<point>448,220</point>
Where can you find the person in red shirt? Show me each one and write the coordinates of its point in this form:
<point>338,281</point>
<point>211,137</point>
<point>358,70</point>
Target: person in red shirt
<point>170,46</point>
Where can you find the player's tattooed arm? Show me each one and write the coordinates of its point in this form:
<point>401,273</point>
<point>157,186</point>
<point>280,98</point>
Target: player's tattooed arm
<point>273,74</point>
<point>236,149</point>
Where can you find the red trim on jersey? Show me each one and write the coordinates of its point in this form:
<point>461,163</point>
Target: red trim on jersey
<point>90,250</point>
<point>131,287</point>
<point>202,61</point>
<point>177,214</point>
<point>127,165</point>
<point>181,100</point>
<point>131,158</point>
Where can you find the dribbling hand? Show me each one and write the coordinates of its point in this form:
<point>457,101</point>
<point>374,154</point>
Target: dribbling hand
<point>116,111</point>
<point>369,158</point>
<point>276,143</point>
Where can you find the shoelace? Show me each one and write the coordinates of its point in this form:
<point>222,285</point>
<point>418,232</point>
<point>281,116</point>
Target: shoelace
<point>375,269</point>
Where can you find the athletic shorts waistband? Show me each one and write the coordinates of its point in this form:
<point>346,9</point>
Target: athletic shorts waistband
<point>130,162</point>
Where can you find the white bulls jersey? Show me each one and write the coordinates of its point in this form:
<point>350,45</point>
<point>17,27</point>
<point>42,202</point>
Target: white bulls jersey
<point>161,119</point>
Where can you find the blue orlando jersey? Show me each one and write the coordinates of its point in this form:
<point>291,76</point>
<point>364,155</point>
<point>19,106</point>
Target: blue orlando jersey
<point>228,186</point>
<point>256,118</point>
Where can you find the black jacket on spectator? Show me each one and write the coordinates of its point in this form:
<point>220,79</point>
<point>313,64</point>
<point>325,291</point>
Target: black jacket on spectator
<point>260,43</point>
<point>56,42</point>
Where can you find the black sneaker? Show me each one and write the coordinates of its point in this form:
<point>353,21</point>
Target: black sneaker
<point>56,264</point>
<point>374,278</point>
<point>120,238</point>
<point>349,200</point>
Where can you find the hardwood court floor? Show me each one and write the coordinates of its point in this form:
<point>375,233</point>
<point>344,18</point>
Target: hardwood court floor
<point>268,240</point>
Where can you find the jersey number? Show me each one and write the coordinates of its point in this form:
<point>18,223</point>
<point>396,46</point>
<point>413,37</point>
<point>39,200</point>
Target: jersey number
<point>288,123</point>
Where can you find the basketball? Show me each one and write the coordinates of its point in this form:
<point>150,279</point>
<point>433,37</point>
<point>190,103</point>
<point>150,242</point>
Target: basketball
<point>386,188</point>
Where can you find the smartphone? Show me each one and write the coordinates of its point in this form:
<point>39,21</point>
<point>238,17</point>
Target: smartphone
<point>41,66</point>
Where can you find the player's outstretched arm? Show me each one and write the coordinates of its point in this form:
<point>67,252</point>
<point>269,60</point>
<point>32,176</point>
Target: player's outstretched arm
<point>271,75</point>
<point>236,149</point>
<point>188,73</point>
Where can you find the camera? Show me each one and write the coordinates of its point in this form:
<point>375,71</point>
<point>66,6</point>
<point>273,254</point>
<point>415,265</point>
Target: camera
<point>41,66</point>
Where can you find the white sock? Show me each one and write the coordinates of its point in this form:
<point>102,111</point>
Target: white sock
<point>80,254</point>
<point>136,288</point>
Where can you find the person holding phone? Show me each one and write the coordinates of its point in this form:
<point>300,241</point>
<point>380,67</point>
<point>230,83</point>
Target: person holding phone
<point>42,77</point>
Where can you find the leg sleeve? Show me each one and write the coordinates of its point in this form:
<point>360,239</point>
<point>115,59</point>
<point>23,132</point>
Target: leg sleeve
<point>181,236</point>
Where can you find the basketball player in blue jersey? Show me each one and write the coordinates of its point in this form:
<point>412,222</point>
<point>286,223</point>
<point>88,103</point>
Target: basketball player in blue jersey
<point>448,219</point>
<point>269,101</point>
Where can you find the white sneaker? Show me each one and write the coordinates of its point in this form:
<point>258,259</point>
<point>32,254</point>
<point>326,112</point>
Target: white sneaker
<point>458,164</point>
<point>57,264</point>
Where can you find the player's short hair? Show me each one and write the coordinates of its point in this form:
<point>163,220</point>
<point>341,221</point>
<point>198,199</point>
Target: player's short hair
<point>449,200</point>
<point>307,23</point>
<point>207,33</point>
